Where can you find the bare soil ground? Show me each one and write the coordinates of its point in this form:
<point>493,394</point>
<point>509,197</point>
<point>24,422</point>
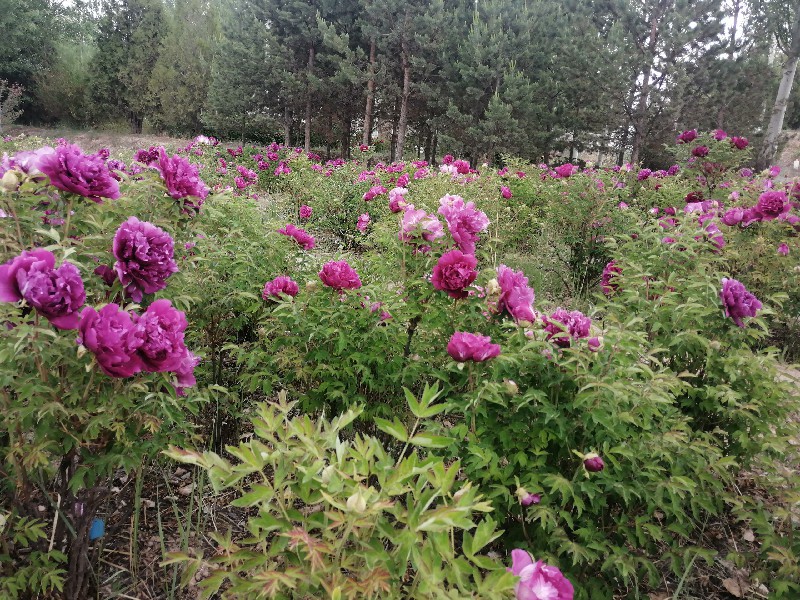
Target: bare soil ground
<point>93,140</point>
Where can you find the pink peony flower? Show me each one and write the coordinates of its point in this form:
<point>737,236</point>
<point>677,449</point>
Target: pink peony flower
<point>737,301</point>
<point>397,200</point>
<point>505,192</point>
<point>719,135</point>
<point>564,171</point>
<point>783,249</point>
<point>463,220</point>
<point>182,178</point>
<point>303,238</point>
<point>687,136</point>
<point>144,256</point>
<point>740,143</point>
<point>418,226</point>
<point>339,275</point>
<point>454,272</point>
<point>57,294</point>
<point>161,330</point>
<point>465,346</point>
<point>733,217</point>
<point>700,151</point>
<point>278,286</point>
<point>112,336</point>
<point>538,581</point>
<point>305,212</point>
<point>363,222</point>
<point>772,205</point>
<point>70,170</point>
<point>516,298</point>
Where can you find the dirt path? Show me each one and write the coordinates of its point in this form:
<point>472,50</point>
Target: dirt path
<point>91,141</point>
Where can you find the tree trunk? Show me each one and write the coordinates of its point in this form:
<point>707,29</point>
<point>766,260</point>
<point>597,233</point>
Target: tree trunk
<point>308,99</point>
<point>428,145</point>
<point>367,138</point>
<point>433,148</point>
<point>640,115</point>
<point>402,123</point>
<point>287,127</point>
<point>393,141</point>
<point>770,145</point>
<point>347,126</point>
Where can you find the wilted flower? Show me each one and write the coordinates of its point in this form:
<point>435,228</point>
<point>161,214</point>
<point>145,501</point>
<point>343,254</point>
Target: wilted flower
<point>538,581</point>
<point>463,220</point>
<point>111,335</point>
<point>609,272</point>
<point>339,275</point>
<point>278,286</point>
<point>516,297</point>
<point>70,170</point>
<point>563,326</point>
<point>465,346</point>
<point>144,256</point>
<point>57,294</point>
<point>737,301</point>
<point>303,238</point>
<point>454,272</point>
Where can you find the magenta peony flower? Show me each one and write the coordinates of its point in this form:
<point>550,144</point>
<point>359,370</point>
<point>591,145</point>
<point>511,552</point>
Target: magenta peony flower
<point>70,170</point>
<point>113,338</point>
<point>772,205</point>
<point>527,499</point>
<point>737,301</point>
<point>538,581</point>
<point>397,200</point>
<point>305,212</point>
<point>465,346</point>
<point>418,226</point>
<point>687,136</point>
<point>564,171</point>
<point>339,275</point>
<point>181,177</point>
<point>363,222</point>
<point>563,326</point>
<point>161,329</point>
<point>280,285</point>
<point>185,372</point>
<point>505,192</point>
<point>147,157</point>
<point>740,143</point>
<point>144,255</point>
<point>454,272</point>
<point>700,151</point>
<point>303,238</point>
<point>593,463</point>
<point>609,272</point>
<point>57,294</point>
<point>733,217</point>
<point>516,298</point>
<point>783,249</point>
<point>720,135</point>
<point>106,273</point>
<point>643,174</point>
<point>463,220</point>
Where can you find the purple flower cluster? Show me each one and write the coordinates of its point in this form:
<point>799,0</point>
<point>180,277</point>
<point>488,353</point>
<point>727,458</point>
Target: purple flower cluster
<point>737,302</point>
<point>465,346</point>
<point>144,256</point>
<point>463,220</point>
<point>124,344</point>
<point>55,293</point>
<point>303,238</point>
<point>538,581</point>
<point>70,170</point>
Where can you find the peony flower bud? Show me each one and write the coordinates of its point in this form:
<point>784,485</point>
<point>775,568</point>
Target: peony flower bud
<point>511,387</point>
<point>593,463</point>
<point>357,503</point>
<point>9,182</point>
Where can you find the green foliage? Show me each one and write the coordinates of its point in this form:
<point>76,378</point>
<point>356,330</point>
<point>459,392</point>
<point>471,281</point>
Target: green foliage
<point>368,524</point>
